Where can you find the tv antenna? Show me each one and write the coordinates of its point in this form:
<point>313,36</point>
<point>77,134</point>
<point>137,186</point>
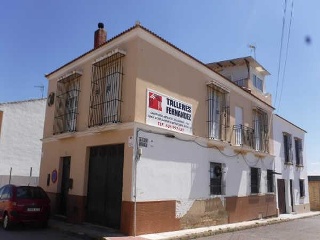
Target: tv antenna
<point>41,87</point>
<point>253,48</point>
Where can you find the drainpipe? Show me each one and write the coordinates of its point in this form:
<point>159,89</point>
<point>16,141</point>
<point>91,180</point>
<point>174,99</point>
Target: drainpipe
<point>136,159</point>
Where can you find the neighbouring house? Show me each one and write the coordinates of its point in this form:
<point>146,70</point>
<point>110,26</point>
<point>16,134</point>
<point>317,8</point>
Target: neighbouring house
<point>142,137</point>
<point>21,131</point>
<point>290,166</point>
<point>314,192</point>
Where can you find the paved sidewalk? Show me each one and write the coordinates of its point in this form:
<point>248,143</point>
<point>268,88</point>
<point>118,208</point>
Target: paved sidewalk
<point>89,231</point>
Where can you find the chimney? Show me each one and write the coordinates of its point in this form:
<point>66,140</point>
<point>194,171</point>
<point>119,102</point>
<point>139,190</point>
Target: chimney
<point>100,36</point>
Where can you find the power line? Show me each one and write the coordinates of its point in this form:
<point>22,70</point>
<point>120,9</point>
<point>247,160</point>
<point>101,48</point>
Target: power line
<point>285,62</point>
<point>280,53</point>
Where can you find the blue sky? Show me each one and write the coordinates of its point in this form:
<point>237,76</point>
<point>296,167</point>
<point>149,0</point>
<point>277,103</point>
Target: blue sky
<point>39,36</point>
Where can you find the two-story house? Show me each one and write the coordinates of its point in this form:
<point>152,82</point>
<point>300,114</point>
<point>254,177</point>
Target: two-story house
<point>21,130</point>
<point>143,137</point>
<point>290,166</point>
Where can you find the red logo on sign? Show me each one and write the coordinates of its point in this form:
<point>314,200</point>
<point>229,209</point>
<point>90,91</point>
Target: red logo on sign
<point>155,101</point>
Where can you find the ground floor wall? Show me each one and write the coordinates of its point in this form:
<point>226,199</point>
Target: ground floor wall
<point>169,183</point>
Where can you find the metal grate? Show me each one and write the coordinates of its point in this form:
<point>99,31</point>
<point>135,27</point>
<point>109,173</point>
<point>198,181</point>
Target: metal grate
<point>218,113</point>
<point>106,90</point>
<point>261,132</point>
<point>244,136</point>
<point>66,107</point>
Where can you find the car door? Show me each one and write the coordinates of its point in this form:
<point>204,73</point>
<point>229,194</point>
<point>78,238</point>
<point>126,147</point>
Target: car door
<point>1,202</point>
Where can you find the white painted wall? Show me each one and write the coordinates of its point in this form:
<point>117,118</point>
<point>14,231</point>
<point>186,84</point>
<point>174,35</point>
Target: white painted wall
<point>20,144</point>
<point>290,171</point>
<point>173,169</point>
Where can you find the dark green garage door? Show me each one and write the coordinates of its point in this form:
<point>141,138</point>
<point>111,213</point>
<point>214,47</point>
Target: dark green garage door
<point>105,185</point>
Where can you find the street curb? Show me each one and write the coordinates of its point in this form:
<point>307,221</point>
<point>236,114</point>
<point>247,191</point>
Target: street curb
<point>209,233</point>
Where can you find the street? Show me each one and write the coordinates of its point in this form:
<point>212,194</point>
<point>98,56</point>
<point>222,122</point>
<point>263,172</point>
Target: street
<point>35,233</point>
<point>305,228</point>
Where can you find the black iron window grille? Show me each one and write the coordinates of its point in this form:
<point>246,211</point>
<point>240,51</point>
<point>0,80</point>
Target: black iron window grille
<point>270,184</point>
<point>218,113</point>
<point>255,180</point>
<point>302,188</point>
<point>66,106</point>
<point>299,151</point>
<point>287,146</point>
<point>261,130</point>
<point>215,178</point>
<point>106,90</point>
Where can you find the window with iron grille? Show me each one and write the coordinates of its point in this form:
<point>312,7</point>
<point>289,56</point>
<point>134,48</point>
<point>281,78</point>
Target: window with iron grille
<point>66,106</point>
<point>106,89</point>
<point>302,188</point>
<point>215,178</point>
<point>299,151</point>
<point>287,145</point>
<point>255,180</point>
<point>270,181</point>
<point>261,130</point>
<point>218,113</point>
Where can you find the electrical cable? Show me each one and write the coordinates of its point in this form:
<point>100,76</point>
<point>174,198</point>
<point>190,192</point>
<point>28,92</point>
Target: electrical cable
<point>285,62</point>
<point>280,53</point>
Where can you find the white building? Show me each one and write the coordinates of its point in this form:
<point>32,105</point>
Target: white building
<point>21,129</point>
<point>291,166</point>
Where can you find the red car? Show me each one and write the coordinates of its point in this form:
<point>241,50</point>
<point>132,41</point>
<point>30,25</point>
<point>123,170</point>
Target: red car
<point>23,204</point>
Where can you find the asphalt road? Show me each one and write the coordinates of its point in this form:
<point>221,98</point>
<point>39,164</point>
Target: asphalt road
<point>35,233</point>
<point>299,229</point>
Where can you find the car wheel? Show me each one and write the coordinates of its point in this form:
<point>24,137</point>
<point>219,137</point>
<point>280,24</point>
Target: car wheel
<point>6,222</point>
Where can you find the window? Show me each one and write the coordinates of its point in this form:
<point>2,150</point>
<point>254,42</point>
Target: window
<point>302,189</point>
<point>66,110</point>
<point>287,145</point>
<point>261,129</point>
<point>106,88</point>
<point>255,180</point>
<point>218,113</point>
<point>298,148</point>
<point>258,83</point>
<point>6,193</point>
<point>270,181</point>
<point>215,178</point>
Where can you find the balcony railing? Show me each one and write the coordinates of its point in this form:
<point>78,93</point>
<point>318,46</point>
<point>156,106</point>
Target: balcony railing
<point>244,136</point>
<point>248,137</point>
<point>242,82</point>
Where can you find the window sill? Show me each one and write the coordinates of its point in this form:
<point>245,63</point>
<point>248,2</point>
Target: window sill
<point>288,163</point>
<point>299,165</point>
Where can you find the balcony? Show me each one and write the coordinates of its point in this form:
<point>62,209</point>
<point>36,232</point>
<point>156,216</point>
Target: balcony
<point>249,138</point>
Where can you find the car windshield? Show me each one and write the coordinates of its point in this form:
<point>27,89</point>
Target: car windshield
<point>27,192</point>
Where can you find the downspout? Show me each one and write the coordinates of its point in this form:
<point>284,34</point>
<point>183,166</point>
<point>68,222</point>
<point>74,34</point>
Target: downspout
<point>136,159</point>
<point>248,67</point>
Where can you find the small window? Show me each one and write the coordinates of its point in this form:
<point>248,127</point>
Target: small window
<point>298,150</point>
<point>302,189</point>
<point>255,180</point>
<point>258,83</point>
<point>270,181</point>
<point>287,145</point>
<point>215,178</point>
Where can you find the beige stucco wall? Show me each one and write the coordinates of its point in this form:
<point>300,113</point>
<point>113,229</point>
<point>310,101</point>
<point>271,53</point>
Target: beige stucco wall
<point>145,66</point>
<point>168,75</point>
<point>78,148</point>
